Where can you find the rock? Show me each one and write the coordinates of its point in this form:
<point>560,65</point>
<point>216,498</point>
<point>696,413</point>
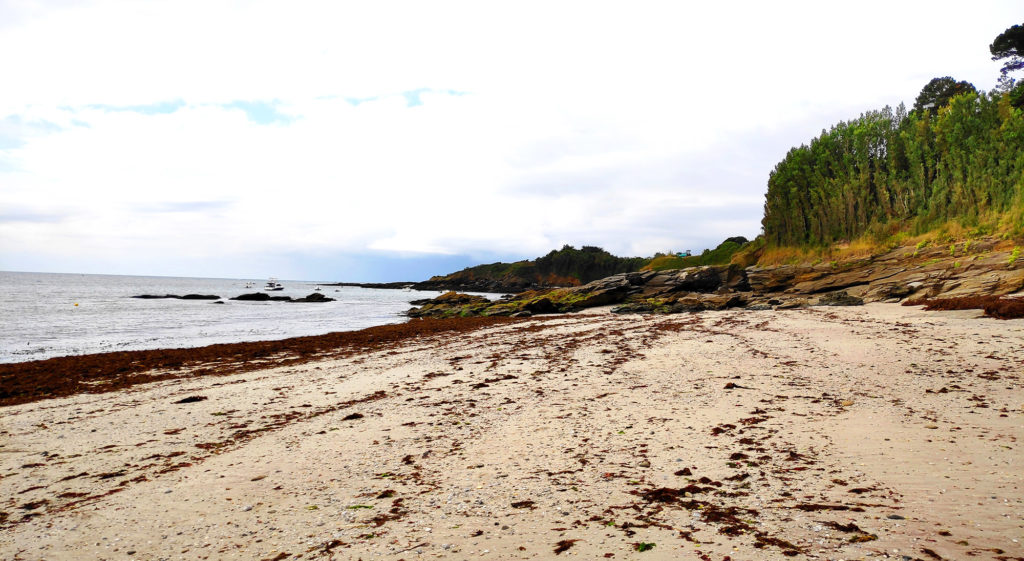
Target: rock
<point>175,296</point>
<point>261,297</point>
<point>791,304</point>
<point>770,279</point>
<point>696,279</point>
<point>633,308</point>
<point>722,301</point>
<point>254,297</point>
<point>892,291</point>
<point>692,302</point>
<point>541,306</point>
<point>314,297</point>
<point>451,304</point>
<point>896,274</point>
<point>840,298</point>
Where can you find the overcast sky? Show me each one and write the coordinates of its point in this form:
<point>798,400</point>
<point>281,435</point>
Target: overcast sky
<point>373,141</point>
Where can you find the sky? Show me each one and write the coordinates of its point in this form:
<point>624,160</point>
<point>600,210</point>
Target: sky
<point>386,141</point>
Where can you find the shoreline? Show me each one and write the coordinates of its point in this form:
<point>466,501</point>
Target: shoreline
<point>25,382</point>
<point>844,433</point>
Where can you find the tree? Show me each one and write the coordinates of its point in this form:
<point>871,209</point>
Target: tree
<point>1009,45</point>
<point>939,91</point>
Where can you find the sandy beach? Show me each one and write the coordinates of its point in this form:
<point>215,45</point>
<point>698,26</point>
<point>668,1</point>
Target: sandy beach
<point>877,431</point>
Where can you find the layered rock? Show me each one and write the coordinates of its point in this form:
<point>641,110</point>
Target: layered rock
<point>975,269</point>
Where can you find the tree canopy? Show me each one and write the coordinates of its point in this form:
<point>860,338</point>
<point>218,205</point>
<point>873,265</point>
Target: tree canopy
<point>888,168</point>
<point>937,93</point>
<point>1009,45</point>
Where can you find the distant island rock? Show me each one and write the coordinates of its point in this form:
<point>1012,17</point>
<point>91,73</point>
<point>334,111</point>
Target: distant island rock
<point>264,297</point>
<point>175,296</point>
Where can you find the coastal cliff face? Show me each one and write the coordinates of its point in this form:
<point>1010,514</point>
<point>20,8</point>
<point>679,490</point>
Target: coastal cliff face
<point>973,269</point>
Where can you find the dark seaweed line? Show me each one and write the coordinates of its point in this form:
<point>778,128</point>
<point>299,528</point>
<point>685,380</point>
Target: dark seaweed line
<point>27,382</point>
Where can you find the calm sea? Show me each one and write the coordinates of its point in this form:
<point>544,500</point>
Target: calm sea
<point>44,315</point>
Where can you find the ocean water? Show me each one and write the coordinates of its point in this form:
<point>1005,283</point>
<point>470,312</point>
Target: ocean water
<point>43,315</point>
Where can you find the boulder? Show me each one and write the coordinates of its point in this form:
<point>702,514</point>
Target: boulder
<point>541,306</point>
<point>840,298</point>
<point>701,279</point>
<point>722,301</point>
<point>451,304</point>
<point>253,297</point>
<point>314,297</point>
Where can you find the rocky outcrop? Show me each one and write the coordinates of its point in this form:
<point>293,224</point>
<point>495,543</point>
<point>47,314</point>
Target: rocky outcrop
<point>840,298</point>
<point>259,297</point>
<point>314,297</point>
<point>690,302</point>
<point>175,296</point>
<point>450,304</point>
<point>973,269</point>
<point>264,297</point>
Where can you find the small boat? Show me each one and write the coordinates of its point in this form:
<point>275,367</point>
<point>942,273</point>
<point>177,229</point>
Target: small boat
<point>318,289</point>
<point>250,284</point>
<point>272,285</point>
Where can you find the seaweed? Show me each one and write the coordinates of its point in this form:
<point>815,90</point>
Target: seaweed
<point>26,382</point>
<point>994,306</point>
<point>564,546</point>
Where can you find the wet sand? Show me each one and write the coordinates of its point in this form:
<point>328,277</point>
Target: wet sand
<point>828,433</point>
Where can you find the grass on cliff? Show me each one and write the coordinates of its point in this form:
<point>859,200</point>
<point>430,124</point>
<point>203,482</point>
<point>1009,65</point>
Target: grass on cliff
<point>721,255</point>
<point>885,238</point>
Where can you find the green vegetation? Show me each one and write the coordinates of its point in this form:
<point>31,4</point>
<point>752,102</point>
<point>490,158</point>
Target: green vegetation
<point>873,174</point>
<point>937,93</point>
<point>955,161</point>
<point>586,264</point>
<point>1009,46</point>
<point>565,267</point>
<point>721,255</point>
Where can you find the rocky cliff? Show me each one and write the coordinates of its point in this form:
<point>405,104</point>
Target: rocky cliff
<point>973,269</point>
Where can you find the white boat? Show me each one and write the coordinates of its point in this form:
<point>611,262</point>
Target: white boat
<point>318,289</point>
<point>272,285</point>
<point>250,284</point>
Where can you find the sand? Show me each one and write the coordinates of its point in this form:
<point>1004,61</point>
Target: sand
<point>826,433</point>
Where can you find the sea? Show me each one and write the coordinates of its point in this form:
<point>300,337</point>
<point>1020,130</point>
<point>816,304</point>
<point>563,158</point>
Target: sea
<point>45,315</point>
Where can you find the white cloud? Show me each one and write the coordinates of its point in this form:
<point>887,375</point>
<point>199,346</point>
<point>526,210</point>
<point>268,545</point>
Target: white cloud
<point>634,128</point>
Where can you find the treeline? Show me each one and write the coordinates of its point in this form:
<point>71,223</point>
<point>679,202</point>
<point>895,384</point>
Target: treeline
<point>587,264</point>
<point>565,267</point>
<point>963,162</point>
